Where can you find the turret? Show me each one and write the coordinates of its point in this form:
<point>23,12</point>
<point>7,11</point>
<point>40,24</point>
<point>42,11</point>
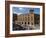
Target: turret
<point>31,10</point>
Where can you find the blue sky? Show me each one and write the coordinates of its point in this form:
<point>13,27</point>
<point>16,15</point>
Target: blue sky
<point>23,10</point>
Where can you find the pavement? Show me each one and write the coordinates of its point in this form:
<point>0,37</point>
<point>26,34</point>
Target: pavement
<point>25,27</point>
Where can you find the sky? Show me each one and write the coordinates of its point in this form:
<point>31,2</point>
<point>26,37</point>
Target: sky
<point>23,10</point>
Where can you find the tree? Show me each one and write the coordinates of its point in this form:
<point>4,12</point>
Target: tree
<point>14,17</point>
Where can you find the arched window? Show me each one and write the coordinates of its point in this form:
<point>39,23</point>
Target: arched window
<point>31,23</point>
<point>22,22</point>
<point>25,22</point>
<point>28,23</point>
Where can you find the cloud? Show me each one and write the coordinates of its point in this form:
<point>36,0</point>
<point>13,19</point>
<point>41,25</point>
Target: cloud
<point>17,13</point>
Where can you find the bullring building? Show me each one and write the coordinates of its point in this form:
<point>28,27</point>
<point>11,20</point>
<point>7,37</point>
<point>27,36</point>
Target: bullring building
<point>28,19</point>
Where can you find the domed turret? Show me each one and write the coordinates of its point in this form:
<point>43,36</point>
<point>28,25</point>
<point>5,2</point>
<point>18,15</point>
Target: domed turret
<point>31,10</point>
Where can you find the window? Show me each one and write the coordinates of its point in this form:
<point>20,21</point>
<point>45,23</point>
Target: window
<point>22,22</point>
<point>25,22</point>
<point>28,18</point>
<point>28,23</point>
<point>31,18</point>
<point>31,23</point>
<point>25,18</point>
